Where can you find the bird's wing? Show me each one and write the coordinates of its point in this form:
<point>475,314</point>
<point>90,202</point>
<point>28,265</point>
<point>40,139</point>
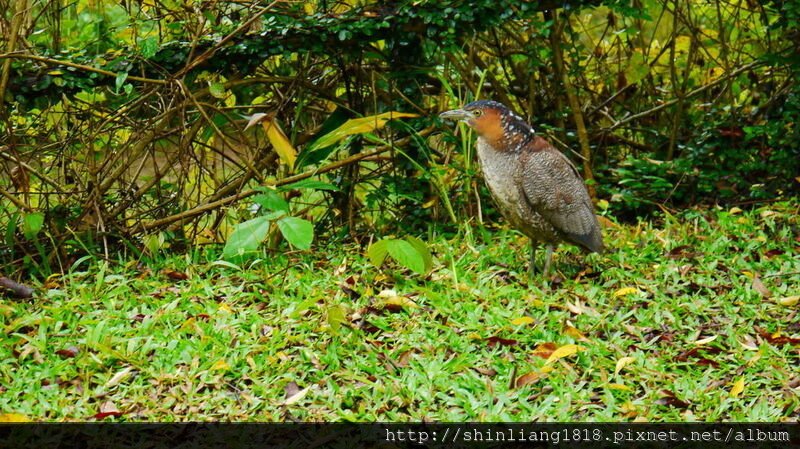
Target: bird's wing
<point>553,188</point>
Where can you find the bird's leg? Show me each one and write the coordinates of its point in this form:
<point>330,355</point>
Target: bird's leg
<point>547,259</point>
<point>532,266</point>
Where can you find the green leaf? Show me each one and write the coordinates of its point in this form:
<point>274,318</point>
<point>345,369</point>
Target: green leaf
<point>336,316</point>
<point>423,251</point>
<point>377,252</point>
<point>120,80</point>
<point>310,184</point>
<point>31,224</point>
<point>246,237</point>
<point>271,200</point>
<point>358,126</point>
<point>217,90</point>
<point>298,232</point>
<point>406,255</point>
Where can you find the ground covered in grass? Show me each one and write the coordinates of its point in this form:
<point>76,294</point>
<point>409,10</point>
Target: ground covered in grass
<point>693,318</point>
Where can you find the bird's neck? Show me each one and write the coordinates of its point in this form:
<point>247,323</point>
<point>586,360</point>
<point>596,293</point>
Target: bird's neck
<point>512,140</point>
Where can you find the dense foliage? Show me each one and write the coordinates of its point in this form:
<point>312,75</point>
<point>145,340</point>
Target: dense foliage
<point>123,124</point>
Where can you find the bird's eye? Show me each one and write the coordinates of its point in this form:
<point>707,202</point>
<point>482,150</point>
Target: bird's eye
<point>477,113</point>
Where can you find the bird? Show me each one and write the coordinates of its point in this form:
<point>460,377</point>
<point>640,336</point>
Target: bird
<point>537,188</point>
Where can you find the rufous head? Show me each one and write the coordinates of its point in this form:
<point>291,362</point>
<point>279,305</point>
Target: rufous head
<point>491,120</point>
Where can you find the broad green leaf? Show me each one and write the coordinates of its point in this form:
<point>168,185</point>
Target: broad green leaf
<point>637,68</point>
<point>217,90</point>
<point>310,184</point>
<point>377,252</point>
<point>406,255</point>
<point>359,126</point>
<point>120,80</point>
<point>271,200</point>
<point>31,224</point>
<point>246,237</point>
<point>336,316</point>
<point>298,232</point>
<point>423,251</point>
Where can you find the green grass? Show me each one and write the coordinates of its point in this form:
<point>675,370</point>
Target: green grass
<point>228,344</point>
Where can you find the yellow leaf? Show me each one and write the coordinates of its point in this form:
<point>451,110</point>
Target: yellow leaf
<point>359,126</point>
<point>221,365</point>
<point>621,363</point>
<point>280,142</point>
<point>399,301</point>
<point>789,301</point>
<point>706,340</point>
<point>564,351</point>
<point>738,388</point>
<point>224,308</point>
<point>55,72</point>
<point>13,417</point>
<point>572,331</point>
<point>522,321</point>
<point>625,291</point>
<point>768,213</point>
<point>188,324</point>
<point>620,387</point>
<point>734,211</point>
<point>474,336</point>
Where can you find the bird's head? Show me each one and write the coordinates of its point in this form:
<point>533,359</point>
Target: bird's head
<point>491,120</point>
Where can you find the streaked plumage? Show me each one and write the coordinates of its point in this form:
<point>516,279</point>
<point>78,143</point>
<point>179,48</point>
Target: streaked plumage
<point>536,187</point>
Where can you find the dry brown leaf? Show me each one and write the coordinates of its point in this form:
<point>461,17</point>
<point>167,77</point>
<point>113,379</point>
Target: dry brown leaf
<point>527,379</point>
<point>760,287</point>
<point>544,350</point>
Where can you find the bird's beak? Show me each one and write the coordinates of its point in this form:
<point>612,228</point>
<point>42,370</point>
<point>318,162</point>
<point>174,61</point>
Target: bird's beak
<point>455,114</point>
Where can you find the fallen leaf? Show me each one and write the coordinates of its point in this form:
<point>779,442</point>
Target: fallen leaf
<point>737,388</point>
<point>544,350</point>
<point>625,291</point>
<point>486,371</point>
<point>789,301</point>
<point>703,341</point>
<point>405,358</point>
<point>749,343</point>
<point>69,352</point>
<point>220,365</point>
<point>495,340</point>
<point>621,363</point>
<point>668,398</point>
<point>620,387</point>
<point>760,287</point>
<point>527,379</point>
<point>572,331</point>
<point>564,351</point>
<point>735,210</point>
<point>13,417</point>
<point>398,303</point>
<point>294,394</point>
<point>522,321</point>
<point>175,275</point>
<point>107,409</point>
<point>682,251</point>
<point>119,377</point>
<point>768,213</point>
<point>776,338</point>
